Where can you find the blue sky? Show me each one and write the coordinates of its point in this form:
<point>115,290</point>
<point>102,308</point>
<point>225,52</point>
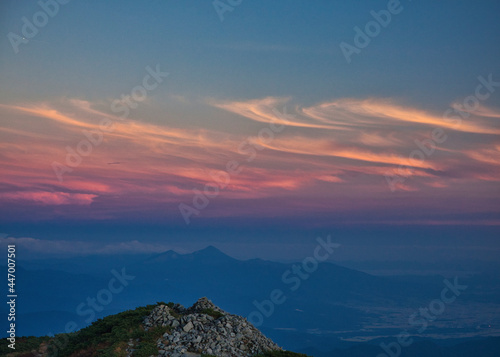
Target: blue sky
<point>352,124</point>
<point>431,51</point>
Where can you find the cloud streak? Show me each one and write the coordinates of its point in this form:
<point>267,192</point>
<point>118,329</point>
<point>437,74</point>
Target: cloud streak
<point>326,150</point>
<point>72,247</point>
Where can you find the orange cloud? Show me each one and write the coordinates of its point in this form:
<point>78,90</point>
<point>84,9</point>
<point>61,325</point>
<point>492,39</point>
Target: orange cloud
<point>355,114</point>
<point>387,109</point>
<point>486,155</point>
<point>346,144</point>
<point>303,146</point>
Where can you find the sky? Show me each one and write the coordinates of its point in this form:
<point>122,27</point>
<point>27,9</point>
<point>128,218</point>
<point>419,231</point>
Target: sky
<point>132,126</point>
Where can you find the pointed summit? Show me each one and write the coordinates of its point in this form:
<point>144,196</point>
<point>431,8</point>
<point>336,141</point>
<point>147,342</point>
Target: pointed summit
<point>209,250</point>
<point>205,329</point>
<point>207,255</point>
<point>161,257</point>
<point>203,304</point>
<point>210,253</point>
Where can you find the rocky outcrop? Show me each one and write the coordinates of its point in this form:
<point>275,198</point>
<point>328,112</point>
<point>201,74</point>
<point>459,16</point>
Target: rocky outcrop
<point>205,328</point>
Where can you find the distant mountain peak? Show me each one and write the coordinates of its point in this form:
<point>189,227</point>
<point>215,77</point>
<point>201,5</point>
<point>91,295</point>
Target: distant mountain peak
<point>207,254</point>
<point>164,256</point>
<point>210,251</point>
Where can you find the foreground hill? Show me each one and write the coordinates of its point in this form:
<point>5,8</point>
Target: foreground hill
<point>157,330</point>
<point>204,330</point>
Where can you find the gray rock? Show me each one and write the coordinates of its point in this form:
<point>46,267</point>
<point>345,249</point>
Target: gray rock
<point>194,332</point>
<point>187,327</point>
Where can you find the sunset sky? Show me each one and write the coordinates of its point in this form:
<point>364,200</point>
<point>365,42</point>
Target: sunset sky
<point>263,112</point>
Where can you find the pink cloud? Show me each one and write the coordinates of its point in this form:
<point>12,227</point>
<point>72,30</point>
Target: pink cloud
<point>325,151</point>
<point>51,198</point>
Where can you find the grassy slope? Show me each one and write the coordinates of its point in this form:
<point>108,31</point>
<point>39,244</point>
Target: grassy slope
<point>107,337</point>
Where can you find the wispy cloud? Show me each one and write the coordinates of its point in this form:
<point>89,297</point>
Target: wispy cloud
<point>72,247</point>
<point>344,145</point>
<point>49,198</point>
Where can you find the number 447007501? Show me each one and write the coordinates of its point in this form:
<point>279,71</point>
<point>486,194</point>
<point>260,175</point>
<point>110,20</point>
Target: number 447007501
<point>11,277</point>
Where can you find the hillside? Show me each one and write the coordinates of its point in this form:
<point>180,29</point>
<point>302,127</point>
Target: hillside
<point>157,330</point>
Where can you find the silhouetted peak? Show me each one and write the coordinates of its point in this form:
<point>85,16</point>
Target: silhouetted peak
<point>209,251</point>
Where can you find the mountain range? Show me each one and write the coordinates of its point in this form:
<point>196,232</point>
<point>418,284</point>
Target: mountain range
<point>329,308</point>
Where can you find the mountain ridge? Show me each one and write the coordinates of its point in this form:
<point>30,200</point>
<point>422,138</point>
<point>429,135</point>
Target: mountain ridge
<point>208,253</point>
<point>163,329</point>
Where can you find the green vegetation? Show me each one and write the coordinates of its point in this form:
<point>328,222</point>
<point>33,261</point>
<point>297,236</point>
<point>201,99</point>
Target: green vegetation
<point>23,345</point>
<point>212,312</point>
<point>109,336</point>
<point>146,349</point>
